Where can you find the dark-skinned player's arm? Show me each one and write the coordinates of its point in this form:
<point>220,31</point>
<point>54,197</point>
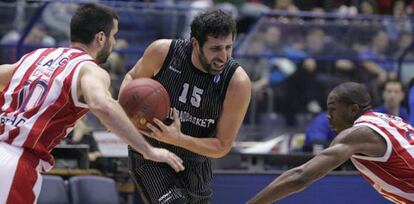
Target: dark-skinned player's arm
<point>351,141</point>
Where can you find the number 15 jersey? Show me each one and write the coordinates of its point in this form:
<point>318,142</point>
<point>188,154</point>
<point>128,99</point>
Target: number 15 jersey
<point>198,96</point>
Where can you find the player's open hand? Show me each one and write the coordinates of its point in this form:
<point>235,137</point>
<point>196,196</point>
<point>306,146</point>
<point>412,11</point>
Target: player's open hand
<point>163,155</point>
<point>169,134</point>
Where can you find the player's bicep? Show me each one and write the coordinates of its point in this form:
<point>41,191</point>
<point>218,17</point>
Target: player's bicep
<point>234,108</point>
<point>94,84</point>
<point>151,61</point>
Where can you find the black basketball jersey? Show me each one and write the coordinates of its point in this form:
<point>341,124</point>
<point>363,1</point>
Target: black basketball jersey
<point>197,96</point>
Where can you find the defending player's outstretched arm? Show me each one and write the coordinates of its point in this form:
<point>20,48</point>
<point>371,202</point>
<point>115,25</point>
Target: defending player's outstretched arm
<point>355,140</point>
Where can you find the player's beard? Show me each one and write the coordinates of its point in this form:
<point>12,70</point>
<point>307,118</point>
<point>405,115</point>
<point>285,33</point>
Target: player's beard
<point>104,53</point>
<point>205,65</point>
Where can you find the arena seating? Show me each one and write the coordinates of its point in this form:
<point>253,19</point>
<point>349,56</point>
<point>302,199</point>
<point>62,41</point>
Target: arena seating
<point>92,189</point>
<point>53,191</point>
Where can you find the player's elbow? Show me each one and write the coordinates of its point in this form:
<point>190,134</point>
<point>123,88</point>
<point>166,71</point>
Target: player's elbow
<point>218,155</point>
<point>100,108</point>
<point>220,151</point>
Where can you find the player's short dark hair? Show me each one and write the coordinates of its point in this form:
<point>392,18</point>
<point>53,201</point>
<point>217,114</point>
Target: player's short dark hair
<point>353,93</point>
<point>215,23</point>
<point>89,20</point>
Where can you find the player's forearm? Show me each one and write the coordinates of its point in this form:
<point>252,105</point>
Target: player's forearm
<point>111,114</point>
<point>209,147</point>
<point>286,184</point>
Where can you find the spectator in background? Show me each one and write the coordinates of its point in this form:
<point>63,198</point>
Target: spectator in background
<point>368,7</point>
<point>303,93</point>
<point>37,36</point>
<point>399,8</point>
<point>249,13</point>
<point>83,134</point>
<point>317,42</point>
<point>411,101</point>
<point>376,62</point>
<point>257,67</point>
<point>197,7</point>
<point>404,41</point>
<point>56,18</point>
<point>392,96</point>
<point>286,5</point>
<point>319,134</point>
<point>272,40</point>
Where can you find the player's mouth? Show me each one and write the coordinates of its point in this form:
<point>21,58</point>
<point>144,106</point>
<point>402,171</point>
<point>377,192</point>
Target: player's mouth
<point>218,65</point>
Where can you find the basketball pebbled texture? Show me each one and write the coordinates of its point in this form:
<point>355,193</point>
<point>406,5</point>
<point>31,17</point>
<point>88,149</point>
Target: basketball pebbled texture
<point>143,100</point>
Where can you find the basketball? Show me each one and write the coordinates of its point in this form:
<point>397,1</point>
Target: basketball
<point>143,100</point>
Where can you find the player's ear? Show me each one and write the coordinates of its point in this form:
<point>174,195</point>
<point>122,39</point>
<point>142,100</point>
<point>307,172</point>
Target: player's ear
<point>354,109</point>
<point>100,38</point>
<point>194,43</point>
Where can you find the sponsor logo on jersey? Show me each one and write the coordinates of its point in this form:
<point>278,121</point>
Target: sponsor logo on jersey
<point>174,69</point>
<point>187,117</point>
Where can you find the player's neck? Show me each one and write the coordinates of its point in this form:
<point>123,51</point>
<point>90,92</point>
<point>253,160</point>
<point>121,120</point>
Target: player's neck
<point>84,48</point>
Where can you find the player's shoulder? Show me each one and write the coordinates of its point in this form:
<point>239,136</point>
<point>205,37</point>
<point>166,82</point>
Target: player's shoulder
<point>91,68</point>
<point>161,45</point>
<point>357,134</point>
<point>240,78</point>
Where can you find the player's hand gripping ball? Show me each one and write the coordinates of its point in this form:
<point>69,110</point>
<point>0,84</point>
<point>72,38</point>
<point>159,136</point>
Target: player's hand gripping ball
<point>143,100</point>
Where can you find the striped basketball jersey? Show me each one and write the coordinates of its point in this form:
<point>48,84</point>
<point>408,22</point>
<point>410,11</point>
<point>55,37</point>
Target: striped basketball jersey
<point>393,174</point>
<point>197,96</point>
<point>39,106</point>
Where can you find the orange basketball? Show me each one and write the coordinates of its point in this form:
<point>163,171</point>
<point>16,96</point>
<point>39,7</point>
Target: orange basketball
<point>143,100</point>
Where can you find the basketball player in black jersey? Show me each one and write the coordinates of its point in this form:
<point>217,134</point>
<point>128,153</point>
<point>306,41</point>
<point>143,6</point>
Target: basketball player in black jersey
<point>209,94</point>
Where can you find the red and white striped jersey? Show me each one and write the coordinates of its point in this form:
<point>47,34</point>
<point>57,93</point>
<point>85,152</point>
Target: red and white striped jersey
<point>393,174</point>
<point>39,106</point>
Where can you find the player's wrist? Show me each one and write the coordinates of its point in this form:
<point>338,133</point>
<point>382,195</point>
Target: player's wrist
<point>179,140</point>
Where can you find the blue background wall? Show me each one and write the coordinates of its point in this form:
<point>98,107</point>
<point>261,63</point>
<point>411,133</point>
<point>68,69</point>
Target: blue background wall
<point>332,189</point>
